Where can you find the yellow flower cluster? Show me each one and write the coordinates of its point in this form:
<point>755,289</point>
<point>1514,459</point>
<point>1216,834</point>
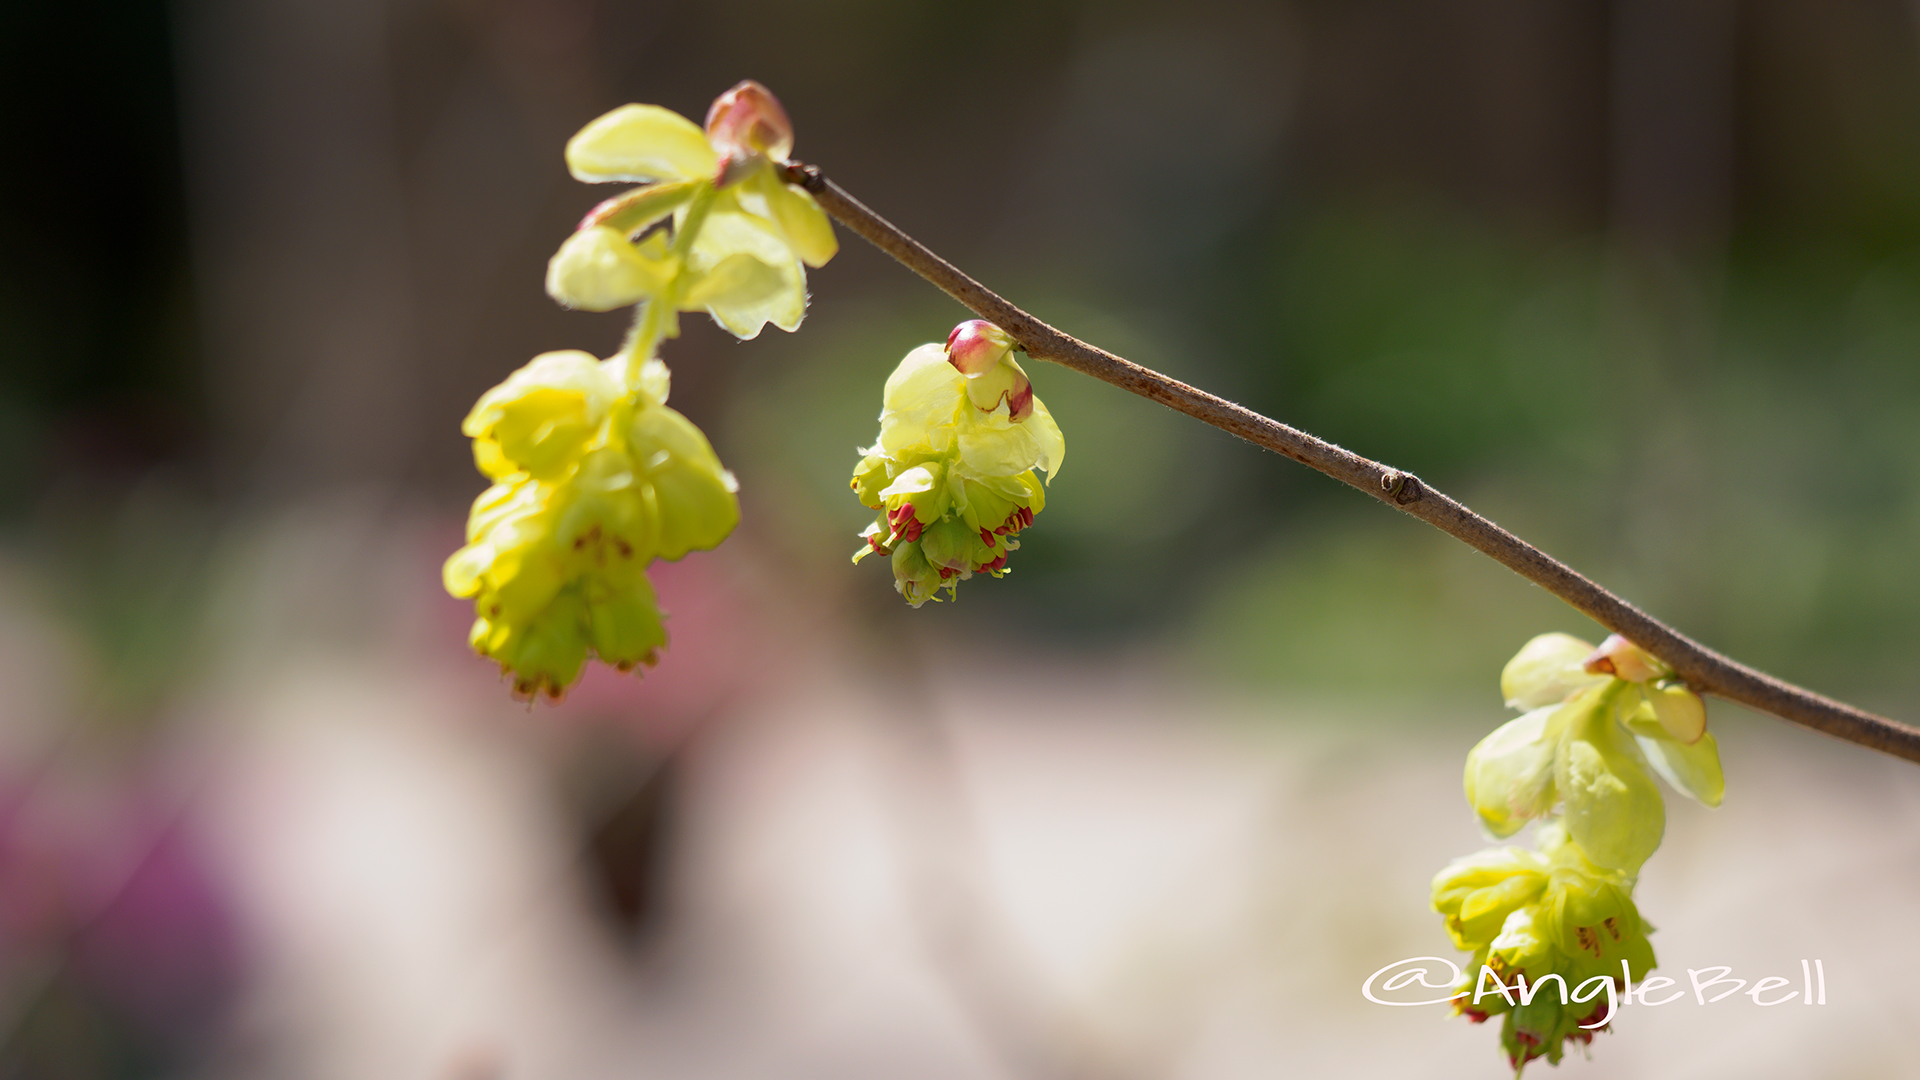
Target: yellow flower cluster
<point>952,474</point>
<point>1598,720</point>
<point>591,484</point>
<point>594,476</point>
<point>714,228</point>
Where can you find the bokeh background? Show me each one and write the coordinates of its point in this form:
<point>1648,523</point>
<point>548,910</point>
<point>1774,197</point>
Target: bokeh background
<point>1638,278</point>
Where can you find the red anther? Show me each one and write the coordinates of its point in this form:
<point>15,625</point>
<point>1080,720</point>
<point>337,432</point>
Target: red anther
<point>1525,1039</point>
<point>874,543</point>
<point>947,572</point>
<point>1001,531</point>
<point>985,536</point>
<point>1475,1015</point>
<point>913,530</point>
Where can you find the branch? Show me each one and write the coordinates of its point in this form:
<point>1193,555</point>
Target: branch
<point>1704,669</point>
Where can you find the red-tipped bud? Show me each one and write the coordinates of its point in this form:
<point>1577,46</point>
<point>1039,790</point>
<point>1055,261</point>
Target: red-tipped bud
<point>748,120</point>
<point>1020,402</point>
<point>1623,659</point>
<point>976,345</point>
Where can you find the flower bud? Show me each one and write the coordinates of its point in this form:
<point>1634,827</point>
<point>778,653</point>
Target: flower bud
<point>976,345</point>
<point>1622,659</point>
<point>748,120</point>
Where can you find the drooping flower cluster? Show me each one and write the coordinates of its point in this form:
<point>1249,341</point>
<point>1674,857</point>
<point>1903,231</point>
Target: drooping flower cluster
<point>591,484</point>
<point>1597,721</point>
<point>952,474</point>
<point>594,476</point>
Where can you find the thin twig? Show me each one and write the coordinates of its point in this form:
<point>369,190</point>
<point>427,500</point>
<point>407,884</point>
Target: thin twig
<point>1703,669</point>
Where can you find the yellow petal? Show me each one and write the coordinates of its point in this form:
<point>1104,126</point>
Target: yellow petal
<point>1545,671</point>
<point>1509,775</point>
<point>1693,770</point>
<point>541,418</point>
<point>464,570</point>
<point>1613,811</point>
<point>694,495</point>
<point>729,233</point>
<point>735,282</point>
<point>632,211</point>
<point>598,269</point>
<point>638,143</point>
<point>1053,445</point>
<point>1680,710</point>
<point>488,458</point>
<point>916,377</point>
<point>998,447</point>
<point>808,230</point>
<point>625,626</point>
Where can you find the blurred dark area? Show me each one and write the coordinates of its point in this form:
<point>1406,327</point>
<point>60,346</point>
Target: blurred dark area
<point>1639,279</point>
<point>1570,255</point>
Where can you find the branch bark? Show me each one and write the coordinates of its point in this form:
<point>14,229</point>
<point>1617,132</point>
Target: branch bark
<point>1704,669</point>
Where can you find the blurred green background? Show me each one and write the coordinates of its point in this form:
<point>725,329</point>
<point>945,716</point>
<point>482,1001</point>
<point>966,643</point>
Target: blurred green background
<point>1639,280</point>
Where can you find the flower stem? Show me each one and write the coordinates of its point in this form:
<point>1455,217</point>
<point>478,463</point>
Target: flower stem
<point>1703,669</point>
<point>651,321</point>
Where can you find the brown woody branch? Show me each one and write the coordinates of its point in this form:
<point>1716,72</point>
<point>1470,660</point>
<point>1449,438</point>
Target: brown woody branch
<point>1703,669</point>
